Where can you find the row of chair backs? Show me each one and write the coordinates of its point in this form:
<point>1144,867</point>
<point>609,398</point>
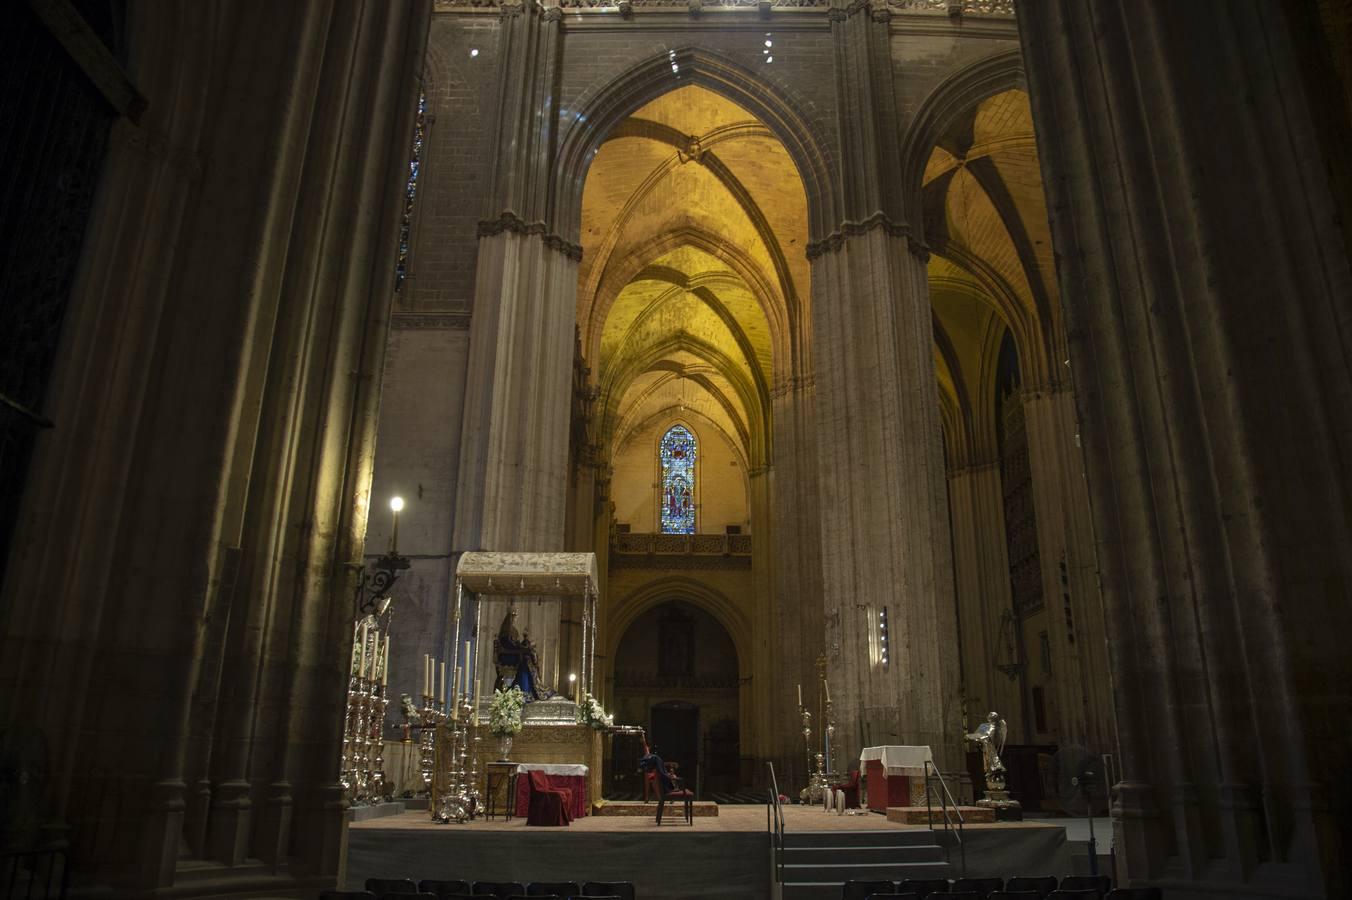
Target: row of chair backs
<point>445,890</point>
<point>403,895</point>
<point>1021,887</point>
<point>995,895</point>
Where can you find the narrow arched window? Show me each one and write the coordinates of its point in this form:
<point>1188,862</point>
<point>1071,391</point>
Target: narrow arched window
<point>677,458</point>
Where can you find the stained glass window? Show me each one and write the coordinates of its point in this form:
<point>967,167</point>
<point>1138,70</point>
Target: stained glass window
<point>411,191</point>
<point>677,454</point>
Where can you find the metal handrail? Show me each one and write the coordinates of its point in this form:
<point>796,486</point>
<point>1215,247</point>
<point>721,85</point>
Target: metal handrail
<point>774,825</point>
<point>944,800</point>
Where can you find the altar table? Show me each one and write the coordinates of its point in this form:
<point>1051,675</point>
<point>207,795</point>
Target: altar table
<point>569,777</point>
<point>895,775</point>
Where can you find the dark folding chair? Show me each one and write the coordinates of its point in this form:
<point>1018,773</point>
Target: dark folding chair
<point>1086,894</point>
<point>622,889</point>
<point>1101,883</point>
<point>1043,884</point>
<point>923,887</point>
<point>346,895</point>
<point>1014,895</point>
<point>502,889</point>
<point>546,888</point>
<point>862,890</point>
<point>982,886</point>
<point>380,886</point>
<point>443,888</point>
<point>1136,893</point>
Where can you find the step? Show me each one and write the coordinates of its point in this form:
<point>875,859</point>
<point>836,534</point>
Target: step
<point>863,855</point>
<point>892,837</point>
<point>843,872</point>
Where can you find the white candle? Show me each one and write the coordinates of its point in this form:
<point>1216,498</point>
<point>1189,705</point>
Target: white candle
<point>443,681</point>
<point>468,670</point>
<point>385,664</point>
<point>427,678</point>
<point>826,688</point>
<point>361,652</point>
<point>800,695</point>
<point>455,693</point>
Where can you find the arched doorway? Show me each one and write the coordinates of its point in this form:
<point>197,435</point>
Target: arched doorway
<point>676,672</point>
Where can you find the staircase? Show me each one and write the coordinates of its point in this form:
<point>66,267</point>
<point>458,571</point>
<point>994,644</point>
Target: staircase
<point>818,863</point>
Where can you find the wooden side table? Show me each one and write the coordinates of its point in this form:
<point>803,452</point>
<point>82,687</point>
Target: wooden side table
<point>500,777</point>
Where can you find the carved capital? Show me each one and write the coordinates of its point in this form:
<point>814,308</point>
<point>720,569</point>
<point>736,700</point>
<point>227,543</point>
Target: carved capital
<point>836,239</point>
<point>510,221</point>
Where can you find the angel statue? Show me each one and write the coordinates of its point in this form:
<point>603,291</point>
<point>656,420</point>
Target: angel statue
<point>990,735</point>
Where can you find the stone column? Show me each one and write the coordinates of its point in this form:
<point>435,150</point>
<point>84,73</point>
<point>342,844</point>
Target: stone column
<point>1065,537</point>
<point>199,520</point>
<point>795,530</point>
<point>981,576</point>
<point>1205,279</point>
<point>513,481</point>
<point>885,539</point>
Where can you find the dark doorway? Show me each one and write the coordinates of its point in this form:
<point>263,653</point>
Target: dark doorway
<point>676,738</point>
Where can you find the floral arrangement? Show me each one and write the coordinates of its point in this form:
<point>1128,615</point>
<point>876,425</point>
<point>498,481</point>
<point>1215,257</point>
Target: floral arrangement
<point>504,713</point>
<point>590,712</point>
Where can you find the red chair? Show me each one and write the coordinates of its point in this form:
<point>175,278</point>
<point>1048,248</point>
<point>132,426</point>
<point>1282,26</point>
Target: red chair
<point>548,806</point>
<point>851,790</point>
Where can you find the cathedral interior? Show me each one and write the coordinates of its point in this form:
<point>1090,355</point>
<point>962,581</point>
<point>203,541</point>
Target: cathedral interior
<point>928,357</point>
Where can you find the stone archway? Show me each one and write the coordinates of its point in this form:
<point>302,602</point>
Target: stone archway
<point>676,672</point>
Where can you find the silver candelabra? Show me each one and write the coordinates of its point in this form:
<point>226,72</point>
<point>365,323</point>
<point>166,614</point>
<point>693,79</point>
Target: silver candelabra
<point>363,760</point>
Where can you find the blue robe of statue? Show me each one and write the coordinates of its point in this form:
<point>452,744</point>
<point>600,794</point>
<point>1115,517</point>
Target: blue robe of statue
<point>515,658</point>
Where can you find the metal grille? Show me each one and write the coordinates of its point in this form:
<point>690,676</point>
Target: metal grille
<point>53,136</point>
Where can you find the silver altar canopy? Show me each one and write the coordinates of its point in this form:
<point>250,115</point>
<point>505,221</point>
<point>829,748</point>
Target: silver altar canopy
<point>511,573</point>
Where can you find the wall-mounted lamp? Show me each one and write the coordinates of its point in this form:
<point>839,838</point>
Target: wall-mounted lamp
<point>373,588</point>
<point>882,635</point>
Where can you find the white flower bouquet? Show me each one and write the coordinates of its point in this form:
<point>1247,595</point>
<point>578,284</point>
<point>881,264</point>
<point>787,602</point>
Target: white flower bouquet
<point>590,712</point>
<point>504,713</point>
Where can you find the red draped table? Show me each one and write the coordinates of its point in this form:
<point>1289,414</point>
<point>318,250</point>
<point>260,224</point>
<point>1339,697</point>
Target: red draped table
<point>566,777</point>
<point>895,775</point>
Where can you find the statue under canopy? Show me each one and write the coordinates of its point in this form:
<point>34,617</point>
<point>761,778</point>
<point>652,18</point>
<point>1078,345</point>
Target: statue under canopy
<point>516,661</point>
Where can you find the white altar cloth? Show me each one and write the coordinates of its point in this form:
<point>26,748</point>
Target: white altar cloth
<point>573,771</point>
<point>897,759</point>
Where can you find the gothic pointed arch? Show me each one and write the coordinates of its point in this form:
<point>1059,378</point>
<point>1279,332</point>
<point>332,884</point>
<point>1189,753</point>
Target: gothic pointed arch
<point>599,112</point>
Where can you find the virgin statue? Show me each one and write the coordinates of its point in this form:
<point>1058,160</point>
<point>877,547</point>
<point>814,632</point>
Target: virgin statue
<point>516,660</point>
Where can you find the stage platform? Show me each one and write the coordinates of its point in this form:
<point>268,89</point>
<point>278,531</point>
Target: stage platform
<point>725,855</point>
<point>638,809</point>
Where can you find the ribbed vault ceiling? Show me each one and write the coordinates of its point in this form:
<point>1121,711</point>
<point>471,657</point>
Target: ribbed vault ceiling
<point>693,277</point>
<point>992,265</point>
